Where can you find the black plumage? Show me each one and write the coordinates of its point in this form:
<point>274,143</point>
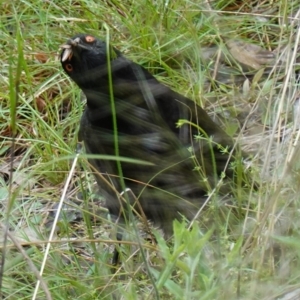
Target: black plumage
<point>186,161</point>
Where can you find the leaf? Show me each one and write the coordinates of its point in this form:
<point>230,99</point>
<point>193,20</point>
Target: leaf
<point>41,57</point>
<point>250,55</point>
<point>174,288</point>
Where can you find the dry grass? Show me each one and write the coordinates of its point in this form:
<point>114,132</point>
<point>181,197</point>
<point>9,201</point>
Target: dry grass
<point>239,61</point>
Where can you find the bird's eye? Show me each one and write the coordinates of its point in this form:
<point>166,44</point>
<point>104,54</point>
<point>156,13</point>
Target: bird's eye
<point>69,67</point>
<point>89,39</point>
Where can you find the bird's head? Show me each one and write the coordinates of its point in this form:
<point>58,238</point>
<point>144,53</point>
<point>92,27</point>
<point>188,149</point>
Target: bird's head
<point>84,58</point>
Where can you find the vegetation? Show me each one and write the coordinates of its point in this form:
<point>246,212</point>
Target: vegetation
<point>239,60</point>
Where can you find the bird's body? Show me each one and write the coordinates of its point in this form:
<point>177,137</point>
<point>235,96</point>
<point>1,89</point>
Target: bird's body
<point>184,167</point>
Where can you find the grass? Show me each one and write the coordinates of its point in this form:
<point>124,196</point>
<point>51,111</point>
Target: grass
<point>185,44</point>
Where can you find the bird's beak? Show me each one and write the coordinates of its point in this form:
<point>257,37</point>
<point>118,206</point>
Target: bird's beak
<point>69,48</point>
<point>67,53</point>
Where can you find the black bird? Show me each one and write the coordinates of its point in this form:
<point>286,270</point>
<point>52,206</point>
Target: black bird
<point>186,161</point>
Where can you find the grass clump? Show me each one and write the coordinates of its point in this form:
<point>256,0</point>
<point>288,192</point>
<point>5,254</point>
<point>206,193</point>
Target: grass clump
<point>238,59</point>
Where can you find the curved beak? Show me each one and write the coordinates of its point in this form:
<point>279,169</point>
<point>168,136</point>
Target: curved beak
<point>69,47</point>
